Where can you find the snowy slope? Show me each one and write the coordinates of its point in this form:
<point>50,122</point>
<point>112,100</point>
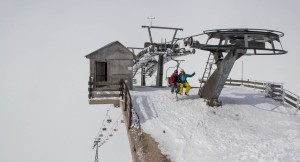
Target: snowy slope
<point>249,127</point>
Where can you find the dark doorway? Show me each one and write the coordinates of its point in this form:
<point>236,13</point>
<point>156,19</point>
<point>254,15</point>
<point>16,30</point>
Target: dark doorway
<point>101,71</point>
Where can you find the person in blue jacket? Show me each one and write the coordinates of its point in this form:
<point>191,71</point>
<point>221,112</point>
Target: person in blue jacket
<point>184,83</point>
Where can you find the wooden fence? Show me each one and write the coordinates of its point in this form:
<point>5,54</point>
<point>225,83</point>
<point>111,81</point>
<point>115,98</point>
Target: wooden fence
<point>116,90</point>
<point>273,90</point>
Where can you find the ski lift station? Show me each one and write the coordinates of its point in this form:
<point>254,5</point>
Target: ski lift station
<point>114,62</point>
<point>113,67</point>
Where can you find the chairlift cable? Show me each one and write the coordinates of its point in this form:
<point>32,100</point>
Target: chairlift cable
<point>109,133</point>
<point>103,122</point>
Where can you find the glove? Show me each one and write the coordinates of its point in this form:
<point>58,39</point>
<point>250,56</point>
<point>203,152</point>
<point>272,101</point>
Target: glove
<point>194,73</point>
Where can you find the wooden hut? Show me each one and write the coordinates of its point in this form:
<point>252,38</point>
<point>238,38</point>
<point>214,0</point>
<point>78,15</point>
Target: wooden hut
<point>112,63</point>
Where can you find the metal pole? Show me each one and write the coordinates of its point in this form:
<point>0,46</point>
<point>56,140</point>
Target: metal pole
<point>174,37</point>
<point>242,71</point>
<point>143,82</point>
<point>149,31</point>
<point>159,77</point>
<point>298,102</point>
<point>96,156</point>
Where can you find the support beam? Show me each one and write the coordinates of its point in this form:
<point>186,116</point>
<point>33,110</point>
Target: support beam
<point>149,31</point>
<point>160,68</point>
<point>212,89</point>
<point>174,37</point>
<point>160,27</point>
<point>143,78</point>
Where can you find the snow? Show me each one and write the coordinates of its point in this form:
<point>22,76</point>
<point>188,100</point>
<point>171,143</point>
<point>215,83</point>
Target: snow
<point>248,127</point>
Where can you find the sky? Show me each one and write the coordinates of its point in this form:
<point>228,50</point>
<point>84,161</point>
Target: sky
<point>44,74</point>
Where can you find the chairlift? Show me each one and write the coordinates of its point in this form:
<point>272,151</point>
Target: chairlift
<point>175,67</point>
<point>109,120</point>
<point>97,139</point>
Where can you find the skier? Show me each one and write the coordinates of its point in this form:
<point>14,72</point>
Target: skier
<point>183,82</point>
<point>174,81</point>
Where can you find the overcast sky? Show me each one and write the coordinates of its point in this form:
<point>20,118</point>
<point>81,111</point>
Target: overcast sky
<point>44,113</point>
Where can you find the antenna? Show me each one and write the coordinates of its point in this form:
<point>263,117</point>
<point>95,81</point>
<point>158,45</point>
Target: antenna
<point>150,19</point>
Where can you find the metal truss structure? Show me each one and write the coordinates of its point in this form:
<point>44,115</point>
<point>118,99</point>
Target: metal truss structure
<point>152,57</point>
<point>229,45</point>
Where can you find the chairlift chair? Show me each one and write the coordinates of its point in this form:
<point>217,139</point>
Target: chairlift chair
<point>174,67</point>
<point>109,120</point>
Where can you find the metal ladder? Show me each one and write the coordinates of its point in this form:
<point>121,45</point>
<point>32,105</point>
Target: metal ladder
<point>207,71</point>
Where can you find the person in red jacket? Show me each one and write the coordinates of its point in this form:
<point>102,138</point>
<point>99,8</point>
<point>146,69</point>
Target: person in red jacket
<point>174,81</point>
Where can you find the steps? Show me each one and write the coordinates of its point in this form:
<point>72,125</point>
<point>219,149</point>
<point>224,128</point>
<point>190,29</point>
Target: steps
<point>207,71</point>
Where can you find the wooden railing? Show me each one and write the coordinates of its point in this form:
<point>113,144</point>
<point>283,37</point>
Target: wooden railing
<point>103,89</point>
<point>274,90</point>
<point>118,89</point>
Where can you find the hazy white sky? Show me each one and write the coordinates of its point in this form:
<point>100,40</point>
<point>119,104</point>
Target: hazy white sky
<point>43,86</point>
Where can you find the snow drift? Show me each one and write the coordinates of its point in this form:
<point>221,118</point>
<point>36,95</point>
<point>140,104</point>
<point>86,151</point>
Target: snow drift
<point>248,127</point>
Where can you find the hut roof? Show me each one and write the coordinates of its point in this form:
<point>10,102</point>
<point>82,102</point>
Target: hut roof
<point>103,50</point>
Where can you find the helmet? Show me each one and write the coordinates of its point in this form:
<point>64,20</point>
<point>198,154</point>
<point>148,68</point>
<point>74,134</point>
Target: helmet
<point>175,71</point>
<point>181,70</point>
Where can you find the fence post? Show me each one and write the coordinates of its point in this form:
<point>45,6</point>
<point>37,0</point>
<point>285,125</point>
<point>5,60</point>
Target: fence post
<point>122,88</point>
<point>126,98</point>
<point>248,82</point>
<point>129,115</point>
<point>230,81</point>
<point>298,102</point>
<point>283,95</point>
<point>90,87</point>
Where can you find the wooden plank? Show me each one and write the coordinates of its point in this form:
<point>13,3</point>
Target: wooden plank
<point>104,101</point>
<point>277,90</point>
<point>105,95</point>
<point>104,83</point>
<point>105,89</point>
<point>253,82</point>
<point>290,102</point>
<point>276,85</point>
<point>275,95</point>
<point>254,86</point>
<point>245,81</point>
<point>233,84</point>
<point>291,97</point>
<point>235,80</point>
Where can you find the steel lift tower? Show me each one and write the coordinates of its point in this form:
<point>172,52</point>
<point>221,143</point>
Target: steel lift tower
<point>232,45</point>
<point>153,56</point>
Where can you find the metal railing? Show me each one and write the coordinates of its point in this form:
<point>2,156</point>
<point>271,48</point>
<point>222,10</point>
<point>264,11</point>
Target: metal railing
<point>273,90</point>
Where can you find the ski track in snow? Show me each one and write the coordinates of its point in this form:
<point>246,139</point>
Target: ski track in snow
<point>248,127</point>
